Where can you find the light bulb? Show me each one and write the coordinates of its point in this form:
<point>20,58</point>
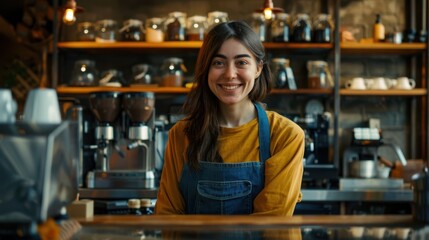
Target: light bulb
<point>268,13</point>
<point>69,17</point>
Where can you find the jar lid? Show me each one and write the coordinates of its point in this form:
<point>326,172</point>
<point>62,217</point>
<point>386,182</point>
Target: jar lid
<point>85,62</point>
<point>106,22</point>
<point>173,60</point>
<point>145,202</point>
<point>215,14</point>
<point>132,22</point>
<point>134,203</point>
<point>282,16</point>
<point>197,18</point>
<point>280,60</point>
<point>85,24</point>
<point>177,14</point>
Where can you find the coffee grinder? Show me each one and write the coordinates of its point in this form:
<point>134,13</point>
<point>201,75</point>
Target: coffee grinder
<point>106,107</point>
<point>139,108</point>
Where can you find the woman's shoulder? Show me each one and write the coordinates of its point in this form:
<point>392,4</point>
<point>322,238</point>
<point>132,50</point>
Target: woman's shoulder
<point>278,121</point>
<point>179,126</point>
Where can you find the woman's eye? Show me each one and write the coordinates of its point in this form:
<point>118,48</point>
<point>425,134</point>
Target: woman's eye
<point>241,62</point>
<point>217,63</point>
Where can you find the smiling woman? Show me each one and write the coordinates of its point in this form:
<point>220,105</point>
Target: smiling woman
<point>239,158</point>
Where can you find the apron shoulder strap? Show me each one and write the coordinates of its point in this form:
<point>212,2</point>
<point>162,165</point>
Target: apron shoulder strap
<point>264,133</point>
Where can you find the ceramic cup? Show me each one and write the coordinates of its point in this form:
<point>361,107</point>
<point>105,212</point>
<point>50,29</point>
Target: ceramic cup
<point>380,83</point>
<point>404,83</point>
<point>42,107</point>
<point>8,106</point>
<point>356,83</point>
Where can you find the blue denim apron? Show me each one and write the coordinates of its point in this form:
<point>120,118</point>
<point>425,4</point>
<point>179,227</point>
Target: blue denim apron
<point>227,188</point>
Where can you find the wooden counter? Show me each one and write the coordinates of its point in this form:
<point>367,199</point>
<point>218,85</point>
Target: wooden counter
<point>251,227</point>
<point>198,221</point>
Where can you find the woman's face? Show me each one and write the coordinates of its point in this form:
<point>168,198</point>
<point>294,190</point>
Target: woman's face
<point>232,73</point>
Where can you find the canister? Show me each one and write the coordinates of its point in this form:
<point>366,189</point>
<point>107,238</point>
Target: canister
<point>196,28</point>
<point>132,30</point>
<point>175,26</point>
<point>107,31</point>
<point>154,30</point>
<point>85,31</point>
<point>172,72</point>
<point>280,28</point>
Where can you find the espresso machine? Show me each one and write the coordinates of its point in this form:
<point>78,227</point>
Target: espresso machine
<point>319,171</point>
<point>125,140</point>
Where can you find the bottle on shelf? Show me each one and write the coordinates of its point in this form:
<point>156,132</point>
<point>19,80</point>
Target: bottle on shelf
<point>378,33</point>
<point>134,207</point>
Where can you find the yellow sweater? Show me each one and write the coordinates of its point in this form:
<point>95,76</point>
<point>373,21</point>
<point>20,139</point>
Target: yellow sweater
<point>283,170</point>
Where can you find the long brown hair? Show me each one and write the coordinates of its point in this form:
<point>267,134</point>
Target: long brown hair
<point>201,105</point>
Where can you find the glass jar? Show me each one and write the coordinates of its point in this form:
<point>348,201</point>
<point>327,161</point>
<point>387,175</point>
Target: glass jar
<point>319,75</point>
<point>322,29</point>
<point>282,74</point>
<point>107,31</point>
<point>196,28</point>
<point>280,28</point>
<point>216,17</point>
<point>259,26</point>
<point>301,28</point>
<point>132,30</point>
<point>142,74</point>
<point>154,30</point>
<point>134,207</point>
<point>172,71</point>
<point>175,26</point>
<point>112,78</point>
<point>84,73</point>
<point>85,31</point>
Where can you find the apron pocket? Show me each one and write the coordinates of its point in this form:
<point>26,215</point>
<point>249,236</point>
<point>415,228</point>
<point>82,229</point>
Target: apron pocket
<point>224,197</point>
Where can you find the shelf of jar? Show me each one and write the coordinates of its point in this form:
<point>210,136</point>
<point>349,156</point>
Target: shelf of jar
<point>174,90</point>
<point>389,92</point>
<point>403,48</point>
<point>177,45</point>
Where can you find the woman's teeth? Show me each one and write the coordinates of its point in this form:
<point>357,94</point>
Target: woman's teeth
<point>230,87</point>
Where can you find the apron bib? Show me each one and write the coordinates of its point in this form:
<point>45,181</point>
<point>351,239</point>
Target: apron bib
<point>227,188</point>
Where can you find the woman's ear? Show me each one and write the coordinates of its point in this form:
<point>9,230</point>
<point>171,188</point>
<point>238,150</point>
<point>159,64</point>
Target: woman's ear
<point>259,68</point>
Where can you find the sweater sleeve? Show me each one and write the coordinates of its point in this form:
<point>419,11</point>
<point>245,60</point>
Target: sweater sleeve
<point>170,200</point>
<point>284,170</point>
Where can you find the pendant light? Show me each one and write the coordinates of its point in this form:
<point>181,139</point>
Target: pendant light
<point>70,10</point>
<point>268,9</point>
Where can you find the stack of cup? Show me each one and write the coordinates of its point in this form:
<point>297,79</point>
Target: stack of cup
<point>8,106</point>
<point>42,107</point>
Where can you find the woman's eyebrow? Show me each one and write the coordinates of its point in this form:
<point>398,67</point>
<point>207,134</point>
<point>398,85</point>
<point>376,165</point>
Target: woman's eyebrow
<point>235,57</point>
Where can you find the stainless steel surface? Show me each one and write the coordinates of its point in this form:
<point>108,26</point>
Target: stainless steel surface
<point>139,132</point>
<point>104,133</point>
<point>127,179</point>
<point>363,168</point>
<point>372,183</point>
<point>38,168</point>
<point>379,195</point>
<point>117,193</point>
<point>316,195</point>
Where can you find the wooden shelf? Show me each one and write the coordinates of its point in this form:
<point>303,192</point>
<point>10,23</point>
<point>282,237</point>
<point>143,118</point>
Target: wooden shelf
<point>175,90</point>
<point>86,90</point>
<point>177,45</point>
<point>303,91</point>
<point>389,92</point>
<point>365,48</point>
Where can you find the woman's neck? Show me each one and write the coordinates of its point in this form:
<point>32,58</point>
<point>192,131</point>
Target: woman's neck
<point>237,114</point>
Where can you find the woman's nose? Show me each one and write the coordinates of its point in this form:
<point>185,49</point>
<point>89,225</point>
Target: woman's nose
<point>231,71</point>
